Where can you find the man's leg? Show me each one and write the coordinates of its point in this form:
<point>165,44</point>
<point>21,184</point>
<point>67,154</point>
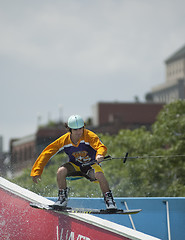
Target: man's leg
<point>108,198</point>
<point>102,181</point>
<point>61,178</point>
<point>62,173</point>
<point>62,186</point>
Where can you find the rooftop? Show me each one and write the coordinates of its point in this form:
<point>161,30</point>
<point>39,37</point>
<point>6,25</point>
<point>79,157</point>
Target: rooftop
<point>177,55</point>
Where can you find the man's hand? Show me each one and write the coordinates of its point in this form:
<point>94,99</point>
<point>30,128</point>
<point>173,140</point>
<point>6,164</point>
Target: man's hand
<point>36,178</point>
<point>99,158</point>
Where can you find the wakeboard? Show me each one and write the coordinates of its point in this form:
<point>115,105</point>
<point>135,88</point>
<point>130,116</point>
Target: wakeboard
<point>83,210</point>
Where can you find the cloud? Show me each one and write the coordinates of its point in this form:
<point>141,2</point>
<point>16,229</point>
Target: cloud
<point>76,53</point>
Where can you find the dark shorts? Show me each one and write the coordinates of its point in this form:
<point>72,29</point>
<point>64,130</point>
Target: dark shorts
<point>87,171</point>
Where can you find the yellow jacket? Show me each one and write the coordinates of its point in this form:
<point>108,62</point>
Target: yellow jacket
<point>86,150</point>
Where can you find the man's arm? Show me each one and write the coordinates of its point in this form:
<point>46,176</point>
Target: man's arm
<point>43,159</point>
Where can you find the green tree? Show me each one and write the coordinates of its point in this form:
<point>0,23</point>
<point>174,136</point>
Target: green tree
<point>169,132</point>
<point>163,176</point>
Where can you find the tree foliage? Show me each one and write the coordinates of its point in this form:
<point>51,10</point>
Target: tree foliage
<point>161,175</point>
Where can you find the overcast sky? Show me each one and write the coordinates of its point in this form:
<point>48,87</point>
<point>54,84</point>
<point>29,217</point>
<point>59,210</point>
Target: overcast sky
<point>65,56</point>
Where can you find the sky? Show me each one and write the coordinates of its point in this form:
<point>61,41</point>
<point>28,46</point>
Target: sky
<point>59,57</point>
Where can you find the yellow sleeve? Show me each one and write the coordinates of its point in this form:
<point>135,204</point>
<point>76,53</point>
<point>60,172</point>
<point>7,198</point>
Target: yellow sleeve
<point>45,156</point>
<point>96,143</point>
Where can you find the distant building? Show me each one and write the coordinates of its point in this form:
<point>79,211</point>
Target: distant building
<point>111,117</point>
<point>174,86</point>
<point>23,152</point>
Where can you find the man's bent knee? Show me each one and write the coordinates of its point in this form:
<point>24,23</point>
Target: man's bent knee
<point>62,171</point>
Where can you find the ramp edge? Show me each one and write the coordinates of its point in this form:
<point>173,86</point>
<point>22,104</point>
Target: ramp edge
<point>90,219</point>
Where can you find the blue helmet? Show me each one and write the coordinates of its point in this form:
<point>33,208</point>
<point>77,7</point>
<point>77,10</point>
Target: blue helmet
<point>75,122</point>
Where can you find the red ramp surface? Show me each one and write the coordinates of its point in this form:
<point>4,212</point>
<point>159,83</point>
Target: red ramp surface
<point>19,221</point>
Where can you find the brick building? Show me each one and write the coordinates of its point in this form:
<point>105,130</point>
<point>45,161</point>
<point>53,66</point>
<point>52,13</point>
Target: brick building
<point>111,117</point>
<point>22,152</point>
